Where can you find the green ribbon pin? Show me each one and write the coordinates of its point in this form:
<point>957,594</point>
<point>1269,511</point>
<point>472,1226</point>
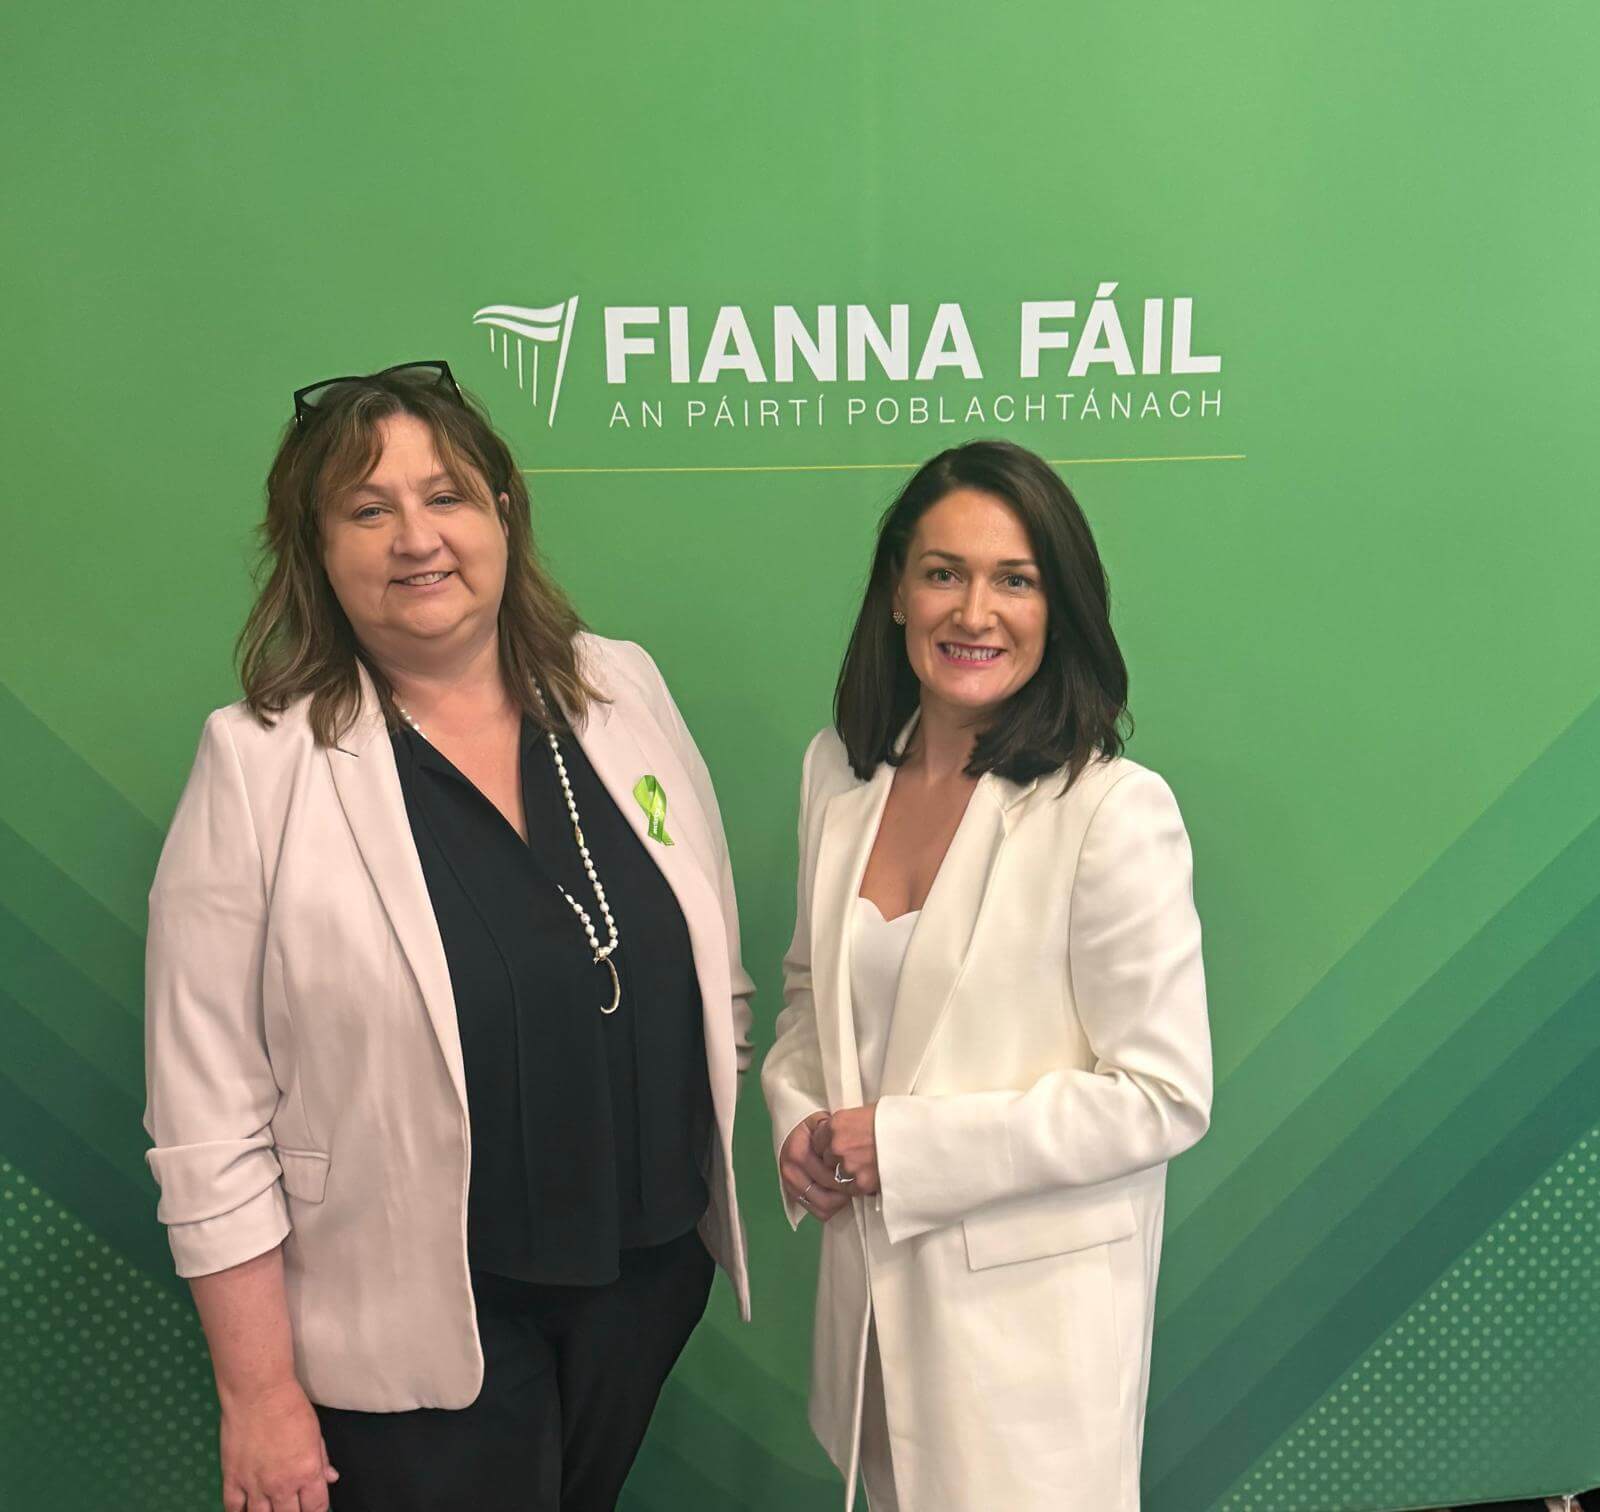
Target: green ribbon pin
<point>652,798</point>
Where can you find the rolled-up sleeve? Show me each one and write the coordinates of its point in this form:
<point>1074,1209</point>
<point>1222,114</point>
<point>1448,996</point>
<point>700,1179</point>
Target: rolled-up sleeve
<point>211,1094</point>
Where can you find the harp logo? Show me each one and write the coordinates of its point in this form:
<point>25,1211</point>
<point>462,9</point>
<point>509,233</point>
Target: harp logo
<point>518,332</point>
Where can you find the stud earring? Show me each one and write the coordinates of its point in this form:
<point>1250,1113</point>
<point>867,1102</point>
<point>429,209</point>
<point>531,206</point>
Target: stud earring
<point>899,616</point>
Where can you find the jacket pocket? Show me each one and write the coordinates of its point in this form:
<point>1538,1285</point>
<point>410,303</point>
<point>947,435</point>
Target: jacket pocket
<point>305,1174</point>
<point>1054,1224</point>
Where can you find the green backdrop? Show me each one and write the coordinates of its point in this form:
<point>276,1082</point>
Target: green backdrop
<point>1359,613</point>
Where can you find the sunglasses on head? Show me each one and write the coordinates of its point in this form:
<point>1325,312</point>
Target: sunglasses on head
<point>432,374</point>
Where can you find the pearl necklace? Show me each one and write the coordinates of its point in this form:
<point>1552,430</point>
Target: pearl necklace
<point>602,953</point>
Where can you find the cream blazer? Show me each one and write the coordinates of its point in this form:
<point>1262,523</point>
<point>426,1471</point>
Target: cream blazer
<point>304,1063</point>
<point>1049,1053</point>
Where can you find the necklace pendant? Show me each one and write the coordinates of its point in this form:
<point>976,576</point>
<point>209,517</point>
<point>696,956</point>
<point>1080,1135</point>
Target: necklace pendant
<point>616,988</point>
<point>594,879</point>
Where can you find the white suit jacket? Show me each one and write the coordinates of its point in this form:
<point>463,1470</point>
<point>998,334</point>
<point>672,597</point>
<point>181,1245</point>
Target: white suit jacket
<point>304,1062</point>
<point>1048,1054</point>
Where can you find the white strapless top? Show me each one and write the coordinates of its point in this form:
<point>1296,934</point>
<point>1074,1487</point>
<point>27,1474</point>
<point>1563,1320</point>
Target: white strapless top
<point>877,952</point>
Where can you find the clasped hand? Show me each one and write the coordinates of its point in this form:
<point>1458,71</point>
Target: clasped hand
<point>824,1148</point>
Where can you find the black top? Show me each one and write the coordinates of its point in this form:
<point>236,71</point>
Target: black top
<point>589,1133</point>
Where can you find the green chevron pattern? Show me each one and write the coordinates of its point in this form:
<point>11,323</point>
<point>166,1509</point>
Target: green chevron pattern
<point>1347,1249</point>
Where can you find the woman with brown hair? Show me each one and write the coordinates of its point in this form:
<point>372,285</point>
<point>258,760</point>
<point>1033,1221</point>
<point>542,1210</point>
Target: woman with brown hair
<point>994,1034</point>
<point>445,1009</point>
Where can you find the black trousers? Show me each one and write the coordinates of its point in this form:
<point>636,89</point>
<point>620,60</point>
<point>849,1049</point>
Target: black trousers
<point>571,1376</point>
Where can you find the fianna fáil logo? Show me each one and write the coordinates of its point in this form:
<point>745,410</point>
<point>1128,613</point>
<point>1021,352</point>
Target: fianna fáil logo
<point>1046,364</point>
<point>528,329</point>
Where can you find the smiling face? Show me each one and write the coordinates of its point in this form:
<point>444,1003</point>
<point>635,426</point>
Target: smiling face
<point>975,606</point>
<point>417,564</point>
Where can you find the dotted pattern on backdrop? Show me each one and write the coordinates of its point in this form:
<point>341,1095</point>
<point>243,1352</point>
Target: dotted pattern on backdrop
<point>106,1399</point>
<point>105,1387</point>
<point>1428,1406</point>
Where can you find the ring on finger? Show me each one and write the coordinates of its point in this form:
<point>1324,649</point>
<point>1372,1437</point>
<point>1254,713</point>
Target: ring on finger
<point>839,1175</point>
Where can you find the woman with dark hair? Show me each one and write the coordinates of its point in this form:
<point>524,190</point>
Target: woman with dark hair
<point>445,1010</point>
<point>994,1034</point>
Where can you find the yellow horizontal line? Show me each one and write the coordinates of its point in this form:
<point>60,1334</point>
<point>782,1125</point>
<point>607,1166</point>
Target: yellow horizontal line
<point>867,466</point>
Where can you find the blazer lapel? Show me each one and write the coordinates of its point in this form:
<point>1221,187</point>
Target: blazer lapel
<point>619,760</point>
<point>849,826</point>
<point>943,935</point>
<point>368,785</point>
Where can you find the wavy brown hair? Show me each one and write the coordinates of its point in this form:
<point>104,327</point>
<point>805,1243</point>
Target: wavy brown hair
<point>297,641</point>
<point>1074,708</point>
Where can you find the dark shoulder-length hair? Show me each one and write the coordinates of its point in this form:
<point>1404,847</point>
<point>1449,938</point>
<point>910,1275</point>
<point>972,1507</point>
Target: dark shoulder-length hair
<point>297,642</point>
<point>1074,707</point>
